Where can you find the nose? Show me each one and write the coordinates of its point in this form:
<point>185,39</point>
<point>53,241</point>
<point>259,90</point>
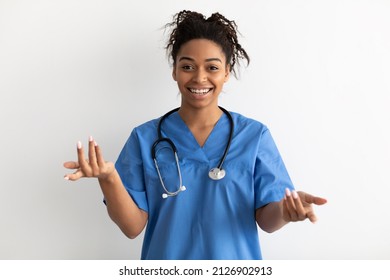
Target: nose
<point>200,76</point>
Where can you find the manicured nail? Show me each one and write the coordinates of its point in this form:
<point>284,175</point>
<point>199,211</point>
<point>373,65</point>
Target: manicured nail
<point>288,193</point>
<point>90,138</point>
<point>79,145</point>
<point>94,142</point>
<point>66,178</point>
<point>294,194</point>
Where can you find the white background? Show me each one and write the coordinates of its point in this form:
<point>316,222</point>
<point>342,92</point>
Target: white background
<point>319,78</point>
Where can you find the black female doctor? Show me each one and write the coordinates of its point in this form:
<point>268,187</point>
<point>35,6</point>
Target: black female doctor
<point>190,209</point>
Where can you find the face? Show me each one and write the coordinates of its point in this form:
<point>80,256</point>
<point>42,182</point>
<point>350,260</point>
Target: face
<point>200,72</point>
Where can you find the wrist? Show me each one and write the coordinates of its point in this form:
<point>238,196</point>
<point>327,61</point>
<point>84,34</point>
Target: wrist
<point>108,178</point>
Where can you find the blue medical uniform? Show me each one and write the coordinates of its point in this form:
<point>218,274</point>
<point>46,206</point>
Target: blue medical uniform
<point>211,219</point>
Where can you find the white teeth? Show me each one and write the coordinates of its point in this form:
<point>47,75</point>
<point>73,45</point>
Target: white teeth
<point>200,91</point>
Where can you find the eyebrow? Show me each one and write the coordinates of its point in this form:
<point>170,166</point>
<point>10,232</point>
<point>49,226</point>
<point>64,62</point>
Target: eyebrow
<point>207,60</point>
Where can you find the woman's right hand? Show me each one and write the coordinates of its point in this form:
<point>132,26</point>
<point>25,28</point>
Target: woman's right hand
<point>121,207</point>
<point>93,167</point>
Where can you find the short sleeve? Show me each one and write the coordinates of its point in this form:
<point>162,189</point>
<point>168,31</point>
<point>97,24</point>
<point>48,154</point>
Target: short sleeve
<point>271,177</point>
<point>130,168</point>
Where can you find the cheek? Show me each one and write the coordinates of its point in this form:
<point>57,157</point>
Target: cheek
<point>221,80</point>
<point>182,78</point>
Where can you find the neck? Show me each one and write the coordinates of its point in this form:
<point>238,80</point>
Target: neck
<point>203,117</point>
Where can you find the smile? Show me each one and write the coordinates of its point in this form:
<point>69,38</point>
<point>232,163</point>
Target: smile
<point>202,91</point>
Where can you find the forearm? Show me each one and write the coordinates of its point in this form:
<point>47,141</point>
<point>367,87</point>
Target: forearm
<point>270,217</point>
<point>121,207</point>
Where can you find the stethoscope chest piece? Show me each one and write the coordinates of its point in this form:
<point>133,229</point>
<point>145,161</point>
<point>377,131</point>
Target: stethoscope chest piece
<point>216,173</point>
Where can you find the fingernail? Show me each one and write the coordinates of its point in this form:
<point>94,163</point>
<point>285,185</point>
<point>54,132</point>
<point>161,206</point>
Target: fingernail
<point>79,145</point>
<point>66,178</point>
<point>94,142</point>
<point>90,138</point>
<point>288,193</point>
<point>294,194</point>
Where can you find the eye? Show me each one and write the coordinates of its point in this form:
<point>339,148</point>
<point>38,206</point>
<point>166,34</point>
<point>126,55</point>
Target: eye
<point>187,67</point>
<point>214,68</point>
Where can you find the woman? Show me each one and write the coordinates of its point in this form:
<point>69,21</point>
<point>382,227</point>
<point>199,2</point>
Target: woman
<point>192,209</point>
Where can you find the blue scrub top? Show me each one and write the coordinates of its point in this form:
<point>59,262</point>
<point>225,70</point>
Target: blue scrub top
<point>211,219</point>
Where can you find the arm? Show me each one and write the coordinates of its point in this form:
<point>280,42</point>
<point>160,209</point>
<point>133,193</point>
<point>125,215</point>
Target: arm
<point>120,206</point>
<point>270,217</point>
<point>295,206</point>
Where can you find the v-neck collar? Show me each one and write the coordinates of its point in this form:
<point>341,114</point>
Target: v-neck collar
<point>187,144</point>
<point>189,132</point>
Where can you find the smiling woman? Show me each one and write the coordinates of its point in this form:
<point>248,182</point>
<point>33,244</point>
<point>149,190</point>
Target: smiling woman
<point>215,217</point>
<point>200,72</point>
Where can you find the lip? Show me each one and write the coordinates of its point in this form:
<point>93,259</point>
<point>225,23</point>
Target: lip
<point>200,93</point>
<point>200,90</point>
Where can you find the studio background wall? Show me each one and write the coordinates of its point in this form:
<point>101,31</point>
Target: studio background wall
<point>318,78</point>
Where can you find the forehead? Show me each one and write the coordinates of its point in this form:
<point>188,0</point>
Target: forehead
<point>201,49</point>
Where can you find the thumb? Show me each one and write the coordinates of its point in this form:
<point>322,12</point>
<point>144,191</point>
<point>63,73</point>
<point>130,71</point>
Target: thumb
<point>319,200</point>
<point>312,199</point>
<point>71,165</point>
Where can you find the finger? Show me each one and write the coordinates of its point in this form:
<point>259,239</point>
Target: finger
<point>92,156</point>
<point>99,155</point>
<point>75,176</point>
<point>71,165</point>
<point>312,217</point>
<point>286,214</point>
<point>81,158</point>
<point>290,205</point>
<point>301,211</point>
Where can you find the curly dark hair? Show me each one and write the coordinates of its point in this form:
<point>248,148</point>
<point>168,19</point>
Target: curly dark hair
<point>189,25</point>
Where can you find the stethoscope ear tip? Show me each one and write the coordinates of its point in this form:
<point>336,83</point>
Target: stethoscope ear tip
<point>164,195</point>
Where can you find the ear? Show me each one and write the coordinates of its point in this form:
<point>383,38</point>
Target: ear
<point>174,72</point>
<point>227,73</point>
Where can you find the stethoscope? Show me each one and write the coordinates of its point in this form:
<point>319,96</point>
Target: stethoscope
<point>216,173</point>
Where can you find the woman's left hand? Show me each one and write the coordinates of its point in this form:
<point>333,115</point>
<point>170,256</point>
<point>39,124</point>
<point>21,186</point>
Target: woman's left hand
<point>297,206</point>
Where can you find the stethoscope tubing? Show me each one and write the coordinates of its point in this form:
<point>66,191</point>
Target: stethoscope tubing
<point>229,139</point>
<point>215,173</point>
